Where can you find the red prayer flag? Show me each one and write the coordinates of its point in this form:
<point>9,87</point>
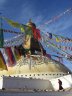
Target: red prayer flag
<point>36,33</point>
<point>10,56</point>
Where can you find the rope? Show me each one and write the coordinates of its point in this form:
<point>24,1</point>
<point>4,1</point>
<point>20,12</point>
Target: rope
<point>56,17</point>
<point>10,31</point>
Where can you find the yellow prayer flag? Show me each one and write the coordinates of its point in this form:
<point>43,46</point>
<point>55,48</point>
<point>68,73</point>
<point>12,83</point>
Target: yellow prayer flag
<point>22,29</point>
<point>57,39</point>
<point>12,23</point>
<point>15,24</point>
<point>2,65</point>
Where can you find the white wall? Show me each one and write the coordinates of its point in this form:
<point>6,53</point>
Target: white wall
<point>16,82</point>
<point>1,82</point>
<point>66,82</point>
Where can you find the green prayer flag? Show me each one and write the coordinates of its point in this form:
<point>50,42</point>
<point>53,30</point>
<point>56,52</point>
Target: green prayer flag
<point>15,24</point>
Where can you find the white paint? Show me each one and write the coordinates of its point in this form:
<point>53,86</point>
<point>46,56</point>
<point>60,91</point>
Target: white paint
<point>27,83</point>
<point>66,82</point>
<point>1,82</point>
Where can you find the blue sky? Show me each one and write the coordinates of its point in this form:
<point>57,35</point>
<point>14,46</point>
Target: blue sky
<point>40,11</point>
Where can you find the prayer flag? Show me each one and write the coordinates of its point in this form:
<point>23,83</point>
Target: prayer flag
<point>57,39</point>
<point>4,55</point>
<point>14,24</point>
<point>36,33</point>
<point>10,56</point>
<point>17,53</point>
<point>49,35</point>
<point>1,38</point>
<point>2,62</point>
